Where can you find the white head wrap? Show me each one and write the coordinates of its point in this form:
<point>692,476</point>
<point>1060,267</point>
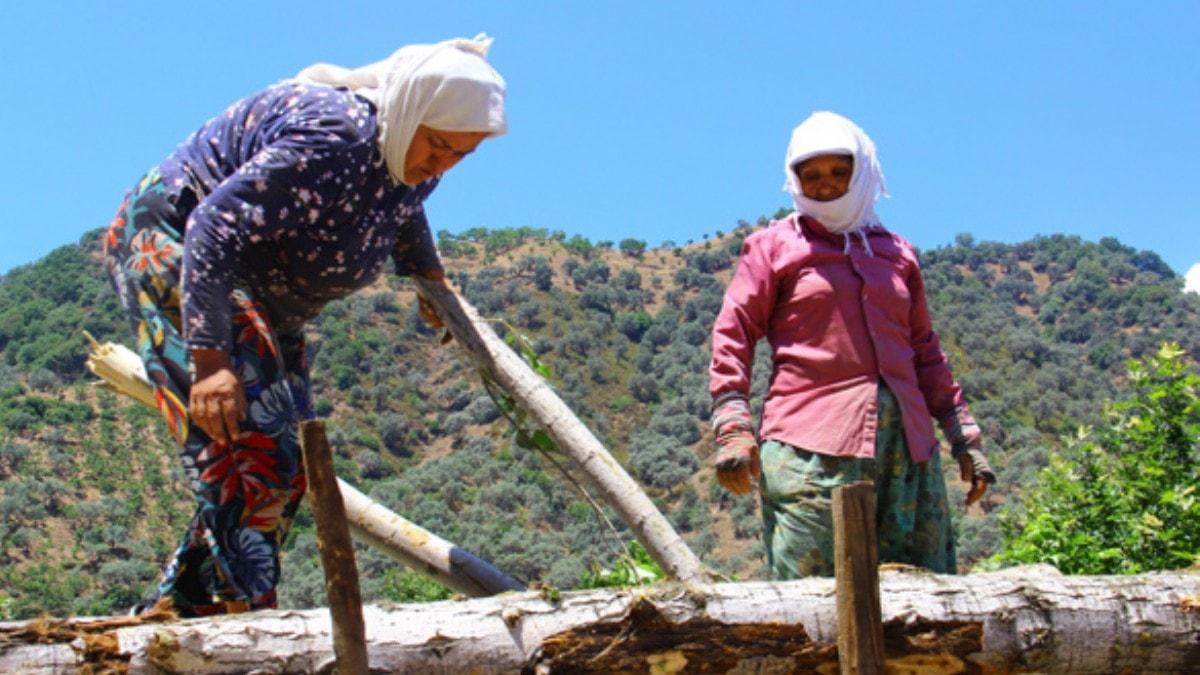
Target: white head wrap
<point>826,133</point>
<point>447,86</point>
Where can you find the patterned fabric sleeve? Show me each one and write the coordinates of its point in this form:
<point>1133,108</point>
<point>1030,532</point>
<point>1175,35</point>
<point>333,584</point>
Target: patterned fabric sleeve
<point>415,251</point>
<point>284,187</point>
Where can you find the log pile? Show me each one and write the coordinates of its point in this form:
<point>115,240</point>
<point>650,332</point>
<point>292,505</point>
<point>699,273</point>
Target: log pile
<point>1019,620</point>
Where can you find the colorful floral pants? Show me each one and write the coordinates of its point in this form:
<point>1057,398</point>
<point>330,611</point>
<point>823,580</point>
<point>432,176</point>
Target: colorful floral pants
<point>248,490</point>
<point>912,514</point>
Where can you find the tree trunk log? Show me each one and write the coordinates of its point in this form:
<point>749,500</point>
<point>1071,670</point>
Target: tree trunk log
<point>533,394</point>
<point>1019,620</point>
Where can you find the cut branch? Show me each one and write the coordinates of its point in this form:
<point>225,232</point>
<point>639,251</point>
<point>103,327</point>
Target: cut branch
<point>533,394</point>
<point>421,550</point>
<point>856,561</point>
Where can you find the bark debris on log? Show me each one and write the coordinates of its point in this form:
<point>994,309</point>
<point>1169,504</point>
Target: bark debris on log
<point>1019,620</point>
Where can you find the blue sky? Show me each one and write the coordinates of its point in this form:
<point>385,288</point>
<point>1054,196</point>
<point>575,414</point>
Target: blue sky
<point>655,120</point>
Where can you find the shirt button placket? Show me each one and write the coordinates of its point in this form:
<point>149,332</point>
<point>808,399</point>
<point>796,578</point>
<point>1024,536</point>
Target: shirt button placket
<point>871,424</point>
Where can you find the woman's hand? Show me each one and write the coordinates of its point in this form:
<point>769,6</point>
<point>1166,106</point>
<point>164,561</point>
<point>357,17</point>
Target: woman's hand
<point>217,403</point>
<point>737,462</point>
<point>973,468</point>
<point>425,308</point>
<point>966,446</point>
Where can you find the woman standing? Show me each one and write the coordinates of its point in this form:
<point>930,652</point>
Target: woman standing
<point>858,369</point>
<point>293,197</point>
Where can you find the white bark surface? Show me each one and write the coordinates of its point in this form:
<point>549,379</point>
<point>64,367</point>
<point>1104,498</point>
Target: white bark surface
<point>421,550</point>
<point>533,394</point>
<point>1021,620</point>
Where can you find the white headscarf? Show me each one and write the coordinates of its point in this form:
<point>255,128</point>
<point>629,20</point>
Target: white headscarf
<point>447,86</point>
<point>825,133</point>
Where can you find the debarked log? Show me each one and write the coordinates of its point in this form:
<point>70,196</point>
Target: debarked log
<point>421,550</point>
<point>616,487</point>
<point>1019,620</point>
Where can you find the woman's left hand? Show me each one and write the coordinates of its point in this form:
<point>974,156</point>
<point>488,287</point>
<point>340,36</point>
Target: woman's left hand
<point>973,468</point>
<point>425,308</point>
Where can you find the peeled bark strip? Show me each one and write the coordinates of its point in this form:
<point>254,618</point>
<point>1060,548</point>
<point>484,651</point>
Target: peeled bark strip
<point>336,549</point>
<point>421,550</point>
<point>533,394</point>
<point>1020,620</point>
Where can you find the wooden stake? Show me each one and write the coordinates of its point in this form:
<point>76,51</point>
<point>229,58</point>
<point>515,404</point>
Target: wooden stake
<point>856,565</point>
<point>337,553</point>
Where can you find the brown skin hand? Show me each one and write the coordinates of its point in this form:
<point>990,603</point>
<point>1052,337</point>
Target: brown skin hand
<point>825,177</point>
<point>425,309</point>
<point>966,471</point>
<point>433,152</point>
<point>741,479</point>
<point>217,403</point>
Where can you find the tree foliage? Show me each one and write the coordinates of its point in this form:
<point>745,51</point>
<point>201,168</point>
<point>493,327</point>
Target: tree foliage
<point>1036,332</point>
<point>1123,497</point>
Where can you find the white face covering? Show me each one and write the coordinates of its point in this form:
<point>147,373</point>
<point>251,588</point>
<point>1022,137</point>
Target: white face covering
<point>826,133</point>
<point>447,86</point>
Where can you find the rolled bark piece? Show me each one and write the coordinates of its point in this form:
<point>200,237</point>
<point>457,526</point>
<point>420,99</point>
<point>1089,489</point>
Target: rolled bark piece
<point>1026,619</point>
<point>121,369</point>
<point>337,551</point>
<point>856,566</point>
<point>421,550</point>
<point>533,394</point>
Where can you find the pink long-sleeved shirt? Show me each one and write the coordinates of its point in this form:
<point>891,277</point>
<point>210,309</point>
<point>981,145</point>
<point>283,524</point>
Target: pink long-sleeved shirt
<point>837,322</point>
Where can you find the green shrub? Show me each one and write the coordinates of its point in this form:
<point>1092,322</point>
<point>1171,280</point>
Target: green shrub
<point>1123,498</point>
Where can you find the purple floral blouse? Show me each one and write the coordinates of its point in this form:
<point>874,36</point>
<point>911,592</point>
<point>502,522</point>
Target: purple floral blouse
<point>294,206</point>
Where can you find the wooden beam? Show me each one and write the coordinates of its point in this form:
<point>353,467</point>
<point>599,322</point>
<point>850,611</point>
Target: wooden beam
<point>337,552</point>
<point>856,565</point>
<point>535,396</point>
<point>421,550</point>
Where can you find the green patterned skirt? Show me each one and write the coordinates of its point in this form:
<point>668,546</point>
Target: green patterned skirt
<point>912,514</point>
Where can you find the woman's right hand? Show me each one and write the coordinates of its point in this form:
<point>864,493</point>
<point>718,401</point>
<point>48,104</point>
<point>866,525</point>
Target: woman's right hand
<point>217,403</point>
<point>737,462</point>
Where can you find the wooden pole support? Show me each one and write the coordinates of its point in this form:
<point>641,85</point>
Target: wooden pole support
<point>856,565</point>
<point>535,395</point>
<point>337,552</point>
<point>421,550</point>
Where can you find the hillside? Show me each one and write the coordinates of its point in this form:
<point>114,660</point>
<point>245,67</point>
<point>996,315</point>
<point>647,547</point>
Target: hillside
<point>91,499</point>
